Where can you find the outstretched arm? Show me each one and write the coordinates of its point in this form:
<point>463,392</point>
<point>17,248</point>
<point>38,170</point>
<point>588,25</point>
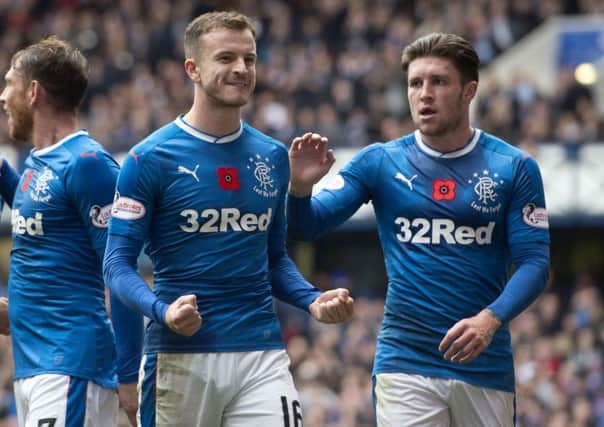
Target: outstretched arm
<point>310,160</point>
<point>289,286</point>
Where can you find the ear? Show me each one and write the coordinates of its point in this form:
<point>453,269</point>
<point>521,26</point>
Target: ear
<point>34,93</point>
<point>469,90</point>
<point>192,70</point>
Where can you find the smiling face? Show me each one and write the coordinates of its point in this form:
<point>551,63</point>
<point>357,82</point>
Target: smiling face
<point>438,98</point>
<point>226,66</point>
<point>14,102</point>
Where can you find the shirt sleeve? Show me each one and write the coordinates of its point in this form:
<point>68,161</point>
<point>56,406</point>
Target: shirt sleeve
<point>128,230</point>
<point>91,185</point>
<point>527,282</point>
<point>528,240</point>
<point>287,282</point>
<point>136,189</point>
<point>527,219</point>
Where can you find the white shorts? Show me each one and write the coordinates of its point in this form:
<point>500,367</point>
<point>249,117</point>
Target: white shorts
<point>414,400</point>
<point>53,400</point>
<point>243,389</point>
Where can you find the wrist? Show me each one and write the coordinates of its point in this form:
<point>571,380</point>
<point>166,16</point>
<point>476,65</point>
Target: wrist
<point>300,190</point>
<point>495,320</point>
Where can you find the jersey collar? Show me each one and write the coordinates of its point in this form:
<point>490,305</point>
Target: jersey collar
<point>59,143</point>
<point>451,154</point>
<point>208,137</point>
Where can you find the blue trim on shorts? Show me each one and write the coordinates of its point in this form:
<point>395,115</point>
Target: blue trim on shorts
<point>148,391</point>
<point>76,402</point>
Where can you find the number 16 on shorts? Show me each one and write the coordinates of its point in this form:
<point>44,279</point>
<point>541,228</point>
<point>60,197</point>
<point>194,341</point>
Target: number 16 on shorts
<point>292,413</point>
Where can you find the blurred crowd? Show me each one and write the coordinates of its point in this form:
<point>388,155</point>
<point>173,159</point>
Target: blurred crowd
<point>333,66</point>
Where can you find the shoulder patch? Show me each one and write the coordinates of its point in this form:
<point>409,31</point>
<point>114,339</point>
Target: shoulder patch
<point>127,208</point>
<point>534,216</point>
<point>100,215</point>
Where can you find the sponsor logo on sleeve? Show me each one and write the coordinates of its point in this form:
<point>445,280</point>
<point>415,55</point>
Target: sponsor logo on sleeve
<point>127,208</point>
<point>534,216</point>
<point>100,215</point>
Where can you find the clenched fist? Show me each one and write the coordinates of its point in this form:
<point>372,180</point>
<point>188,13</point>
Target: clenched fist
<point>333,306</point>
<point>182,316</point>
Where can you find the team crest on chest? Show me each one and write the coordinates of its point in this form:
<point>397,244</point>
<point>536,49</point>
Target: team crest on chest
<point>262,170</point>
<point>486,197</point>
<point>40,192</point>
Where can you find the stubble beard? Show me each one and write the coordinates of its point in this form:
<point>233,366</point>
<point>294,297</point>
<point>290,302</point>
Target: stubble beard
<point>444,128</point>
<point>22,124</point>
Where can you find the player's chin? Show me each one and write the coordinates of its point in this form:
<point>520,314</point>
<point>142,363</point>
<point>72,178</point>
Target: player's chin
<point>430,129</point>
<point>236,101</point>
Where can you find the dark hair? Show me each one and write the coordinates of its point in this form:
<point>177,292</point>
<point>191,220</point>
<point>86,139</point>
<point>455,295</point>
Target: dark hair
<point>60,68</point>
<point>210,21</point>
<point>448,46</point>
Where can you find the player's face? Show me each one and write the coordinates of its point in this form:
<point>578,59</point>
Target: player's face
<point>14,102</point>
<point>438,99</point>
<point>227,66</point>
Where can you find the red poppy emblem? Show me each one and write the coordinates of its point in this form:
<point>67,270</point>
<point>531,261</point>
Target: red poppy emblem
<point>443,189</point>
<point>228,178</point>
<point>27,180</point>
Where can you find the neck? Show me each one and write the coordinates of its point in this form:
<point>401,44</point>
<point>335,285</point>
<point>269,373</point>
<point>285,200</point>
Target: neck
<point>211,118</point>
<point>50,129</point>
<point>450,141</point>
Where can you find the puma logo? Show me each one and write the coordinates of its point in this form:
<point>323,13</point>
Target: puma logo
<point>408,181</point>
<point>193,173</point>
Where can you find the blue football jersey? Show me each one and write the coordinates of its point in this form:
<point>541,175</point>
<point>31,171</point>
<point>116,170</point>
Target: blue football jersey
<point>60,214</point>
<point>446,223</point>
<point>208,209</point>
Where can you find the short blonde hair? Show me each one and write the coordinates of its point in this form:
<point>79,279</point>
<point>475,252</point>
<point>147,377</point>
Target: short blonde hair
<point>207,22</point>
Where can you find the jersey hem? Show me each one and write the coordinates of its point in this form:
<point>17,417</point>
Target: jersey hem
<point>104,384</point>
<point>452,376</point>
<point>212,349</point>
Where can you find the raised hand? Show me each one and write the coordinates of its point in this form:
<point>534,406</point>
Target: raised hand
<point>182,316</point>
<point>309,161</point>
<point>333,306</point>
<point>469,337</point>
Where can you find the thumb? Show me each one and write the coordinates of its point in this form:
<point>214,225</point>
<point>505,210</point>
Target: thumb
<point>343,294</point>
<point>331,157</point>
